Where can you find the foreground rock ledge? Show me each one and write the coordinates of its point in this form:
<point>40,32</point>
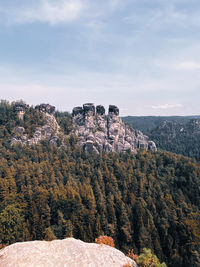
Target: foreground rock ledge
<point>67,252</point>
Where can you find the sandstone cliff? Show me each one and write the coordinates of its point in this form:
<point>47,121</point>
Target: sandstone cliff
<point>60,253</point>
<point>95,130</point>
<point>99,132</point>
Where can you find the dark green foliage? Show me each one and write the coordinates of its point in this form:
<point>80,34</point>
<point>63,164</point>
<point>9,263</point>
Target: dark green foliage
<point>148,200</point>
<point>179,138</point>
<point>64,119</point>
<point>11,224</point>
<point>144,200</point>
<point>32,119</point>
<point>148,123</point>
<point>147,259</point>
<point>9,120</point>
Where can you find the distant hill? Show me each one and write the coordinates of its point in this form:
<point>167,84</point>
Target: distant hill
<point>147,123</point>
<point>176,134</point>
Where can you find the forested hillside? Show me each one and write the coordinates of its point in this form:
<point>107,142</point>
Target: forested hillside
<point>176,134</point>
<point>145,200</point>
<point>148,123</point>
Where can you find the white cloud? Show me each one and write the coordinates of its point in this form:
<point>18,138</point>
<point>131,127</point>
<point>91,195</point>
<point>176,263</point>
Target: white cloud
<point>187,65</point>
<point>52,12</point>
<point>167,106</point>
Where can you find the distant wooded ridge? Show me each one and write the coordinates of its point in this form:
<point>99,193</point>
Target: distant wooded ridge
<point>147,123</point>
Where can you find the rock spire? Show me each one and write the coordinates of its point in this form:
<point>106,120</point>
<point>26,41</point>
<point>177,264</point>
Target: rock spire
<point>98,132</point>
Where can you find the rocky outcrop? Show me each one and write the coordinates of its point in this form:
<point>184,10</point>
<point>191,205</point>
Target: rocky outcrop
<point>99,132</point>
<point>45,108</point>
<point>95,130</point>
<point>49,131</point>
<point>100,110</point>
<point>20,107</point>
<point>59,253</point>
<point>113,110</point>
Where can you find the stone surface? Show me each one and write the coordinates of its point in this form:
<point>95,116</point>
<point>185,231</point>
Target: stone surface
<point>77,110</point>
<point>100,132</point>
<point>100,110</point>
<point>45,108</point>
<point>62,253</point>
<point>20,106</point>
<point>89,109</point>
<point>113,110</point>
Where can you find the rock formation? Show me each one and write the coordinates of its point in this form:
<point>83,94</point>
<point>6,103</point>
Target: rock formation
<point>20,107</point>
<point>49,131</point>
<point>59,253</point>
<point>45,108</point>
<point>99,132</point>
<point>95,130</point>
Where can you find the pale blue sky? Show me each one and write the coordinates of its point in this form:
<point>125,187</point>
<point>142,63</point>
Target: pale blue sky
<point>142,55</point>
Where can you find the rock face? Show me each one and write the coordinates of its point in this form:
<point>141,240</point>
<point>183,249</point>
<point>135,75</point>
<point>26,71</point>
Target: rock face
<point>60,253</point>
<point>99,132</point>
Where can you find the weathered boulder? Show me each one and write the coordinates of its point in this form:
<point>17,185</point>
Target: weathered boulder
<point>113,110</point>
<point>60,253</point>
<point>77,111</point>
<point>45,108</point>
<point>21,106</point>
<point>100,110</point>
<point>89,109</point>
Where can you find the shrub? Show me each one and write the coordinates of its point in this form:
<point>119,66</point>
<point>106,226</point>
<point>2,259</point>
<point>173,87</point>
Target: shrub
<point>107,240</point>
<point>148,259</point>
<point>132,255</point>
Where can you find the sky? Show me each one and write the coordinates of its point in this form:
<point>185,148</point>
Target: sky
<point>141,55</point>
